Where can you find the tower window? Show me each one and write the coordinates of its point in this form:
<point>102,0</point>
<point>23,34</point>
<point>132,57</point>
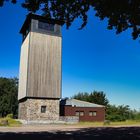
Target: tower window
<point>43,109</point>
<point>45,26</point>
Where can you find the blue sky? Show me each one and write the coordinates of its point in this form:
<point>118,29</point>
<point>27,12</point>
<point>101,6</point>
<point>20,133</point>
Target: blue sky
<point>93,58</point>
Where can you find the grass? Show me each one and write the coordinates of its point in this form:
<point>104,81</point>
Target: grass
<point>101,124</point>
<point>91,124</point>
<point>126,123</point>
<point>16,123</point>
<point>11,122</point>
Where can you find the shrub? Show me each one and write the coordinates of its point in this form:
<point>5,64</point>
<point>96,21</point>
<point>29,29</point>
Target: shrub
<point>9,116</point>
<point>4,122</point>
<point>107,122</point>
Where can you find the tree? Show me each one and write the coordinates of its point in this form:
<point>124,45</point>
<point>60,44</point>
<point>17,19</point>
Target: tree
<point>119,113</point>
<point>8,96</point>
<point>120,14</point>
<point>99,98</point>
<point>83,96</point>
<point>94,97</point>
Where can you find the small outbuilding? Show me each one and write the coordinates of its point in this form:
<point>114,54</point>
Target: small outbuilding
<point>85,110</point>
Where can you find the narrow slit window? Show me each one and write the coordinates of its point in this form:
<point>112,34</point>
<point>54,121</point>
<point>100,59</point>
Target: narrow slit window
<point>43,109</point>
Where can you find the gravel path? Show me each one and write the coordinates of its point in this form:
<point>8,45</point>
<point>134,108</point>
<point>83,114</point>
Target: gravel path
<point>40,128</point>
<point>69,132</point>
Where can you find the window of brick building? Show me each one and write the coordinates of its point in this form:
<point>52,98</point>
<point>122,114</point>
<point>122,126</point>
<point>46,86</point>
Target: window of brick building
<point>79,113</point>
<point>92,113</point>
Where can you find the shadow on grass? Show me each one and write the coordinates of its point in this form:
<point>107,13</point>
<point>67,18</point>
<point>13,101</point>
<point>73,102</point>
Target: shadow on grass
<point>123,133</point>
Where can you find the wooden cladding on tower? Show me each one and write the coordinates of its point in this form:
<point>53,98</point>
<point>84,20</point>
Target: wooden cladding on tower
<point>40,63</point>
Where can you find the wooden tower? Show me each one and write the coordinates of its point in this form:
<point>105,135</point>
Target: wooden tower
<point>40,69</point>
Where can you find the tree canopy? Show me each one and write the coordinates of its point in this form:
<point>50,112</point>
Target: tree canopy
<point>120,14</point>
<point>119,113</point>
<point>97,97</point>
<point>8,96</point>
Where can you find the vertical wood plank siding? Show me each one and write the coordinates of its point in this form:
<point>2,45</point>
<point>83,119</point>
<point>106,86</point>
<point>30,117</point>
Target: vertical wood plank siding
<point>44,70</point>
<point>23,68</point>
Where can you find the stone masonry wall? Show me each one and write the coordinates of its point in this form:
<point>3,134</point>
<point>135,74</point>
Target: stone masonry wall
<point>22,110</point>
<point>30,110</point>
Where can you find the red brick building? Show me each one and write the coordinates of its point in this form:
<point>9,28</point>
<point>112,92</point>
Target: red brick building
<point>85,110</point>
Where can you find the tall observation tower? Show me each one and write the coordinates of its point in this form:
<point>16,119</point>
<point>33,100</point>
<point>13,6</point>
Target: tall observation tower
<point>40,69</point>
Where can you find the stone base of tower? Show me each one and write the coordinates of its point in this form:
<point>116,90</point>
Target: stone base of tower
<point>37,110</point>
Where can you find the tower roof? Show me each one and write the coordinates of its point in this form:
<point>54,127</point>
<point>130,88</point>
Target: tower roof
<point>38,17</point>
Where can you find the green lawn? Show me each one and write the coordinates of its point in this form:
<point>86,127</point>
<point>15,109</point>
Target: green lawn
<point>128,122</point>
<point>16,123</point>
<point>101,124</point>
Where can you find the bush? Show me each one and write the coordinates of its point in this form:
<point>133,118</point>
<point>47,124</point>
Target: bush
<point>9,122</point>
<point>4,122</point>
<point>10,116</point>
<point>118,113</point>
<point>137,116</point>
<point>107,122</point>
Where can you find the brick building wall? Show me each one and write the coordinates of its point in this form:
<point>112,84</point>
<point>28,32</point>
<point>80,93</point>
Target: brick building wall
<point>87,115</point>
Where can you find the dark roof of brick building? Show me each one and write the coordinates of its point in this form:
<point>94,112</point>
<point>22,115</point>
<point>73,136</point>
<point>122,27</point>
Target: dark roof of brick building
<point>78,103</point>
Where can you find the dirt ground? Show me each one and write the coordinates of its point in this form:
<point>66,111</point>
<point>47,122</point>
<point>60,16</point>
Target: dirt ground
<point>69,132</point>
